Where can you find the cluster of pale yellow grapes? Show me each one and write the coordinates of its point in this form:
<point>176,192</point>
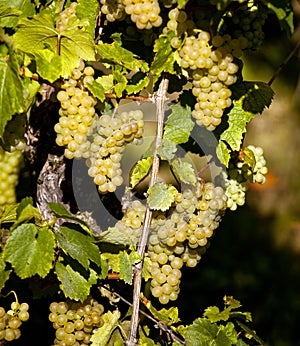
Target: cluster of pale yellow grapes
<point>65,15</point>
<point>10,164</point>
<point>11,321</point>
<point>212,70</point>
<point>111,135</point>
<point>113,10</point>
<point>76,113</point>
<point>177,238</point>
<point>74,323</point>
<point>144,13</point>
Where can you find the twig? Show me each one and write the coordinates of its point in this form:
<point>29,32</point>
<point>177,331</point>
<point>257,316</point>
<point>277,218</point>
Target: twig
<point>159,324</point>
<point>159,99</point>
<point>288,58</point>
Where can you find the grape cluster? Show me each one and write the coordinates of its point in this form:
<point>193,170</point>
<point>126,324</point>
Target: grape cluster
<point>113,10</point>
<point>10,164</point>
<point>258,172</point>
<point>144,13</point>
<point>182,238</point>
<point>11,321</point>
<point>177,238</point>
<point>241,172</point>
<point>64,17</point>
<point>74,323</point>
<point>247,22</point>
<point>212,70</point>
<point>107,145</point>
<point>179,23</point>
<point>131,223</point>
<point>76,113</point>
<point>235,192</point>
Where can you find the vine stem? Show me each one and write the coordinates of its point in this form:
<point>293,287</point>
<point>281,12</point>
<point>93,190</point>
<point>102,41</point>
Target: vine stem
<point>159,99</point>
<point>287,59</point>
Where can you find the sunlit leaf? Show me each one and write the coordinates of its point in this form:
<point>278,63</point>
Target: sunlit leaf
<point>30,250</point>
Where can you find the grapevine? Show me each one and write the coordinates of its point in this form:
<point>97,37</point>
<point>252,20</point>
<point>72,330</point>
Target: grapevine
<point>151,97</point>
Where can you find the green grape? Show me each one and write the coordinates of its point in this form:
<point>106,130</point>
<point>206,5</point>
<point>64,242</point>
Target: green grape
<point>246,25</point>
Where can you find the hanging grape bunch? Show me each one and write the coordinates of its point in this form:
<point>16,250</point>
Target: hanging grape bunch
<point>74,323</point>
<point>11,321</point>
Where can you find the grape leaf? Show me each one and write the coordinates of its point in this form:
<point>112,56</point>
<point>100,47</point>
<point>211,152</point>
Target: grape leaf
<point>140,170</point>
<point>179,124</point>
<point>164,58</point>
<point>4,274</point>
<point>115,53</point>
<point>8,11</point>
<point>60,211</point>
<point>144,340</point>
<point>97,89</point>
<point>73,284</point>
<point>146,271</point>
<point>202,333</point>
<point>137,83</point>
<point>103,334</point>
<point>121,82</point>
<point>238,118</point>
<point>26,211</point>
<point>19,8</point>
<point>167,150</point>
<point>161,196</point>
<point>182,3</point>
<point>234,303</point>
<point>184,171</point>
<point>214,314</point>
<point>30,250</point>
<point>223,153</point>
<point>79,246</point>
<point>112,261</point>
<point>254,96</point>
<point>126,270</point>
<point>8,213</point>
<point>11,90</point>
<point>169,316</point>
<point>37,33</point>
<point>229,330</point>
<point>90,15</point>
<point>113,235</point>
<point>48,64</point>
<point>284,13</point>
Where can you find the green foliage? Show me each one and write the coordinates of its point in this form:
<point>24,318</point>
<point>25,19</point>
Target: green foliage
<point>30,250</point>
<point>179,125</point>
<point>43,47</point>
<point>11,96</point>
<point>161,196</point>
<point>103,334</point>
<point>74,285</point>
<point>34,35</point>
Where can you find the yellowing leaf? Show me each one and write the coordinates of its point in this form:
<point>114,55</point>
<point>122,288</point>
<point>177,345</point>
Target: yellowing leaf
<point>103,334</point>
<point>161,196</point>
<point>140,170</point>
